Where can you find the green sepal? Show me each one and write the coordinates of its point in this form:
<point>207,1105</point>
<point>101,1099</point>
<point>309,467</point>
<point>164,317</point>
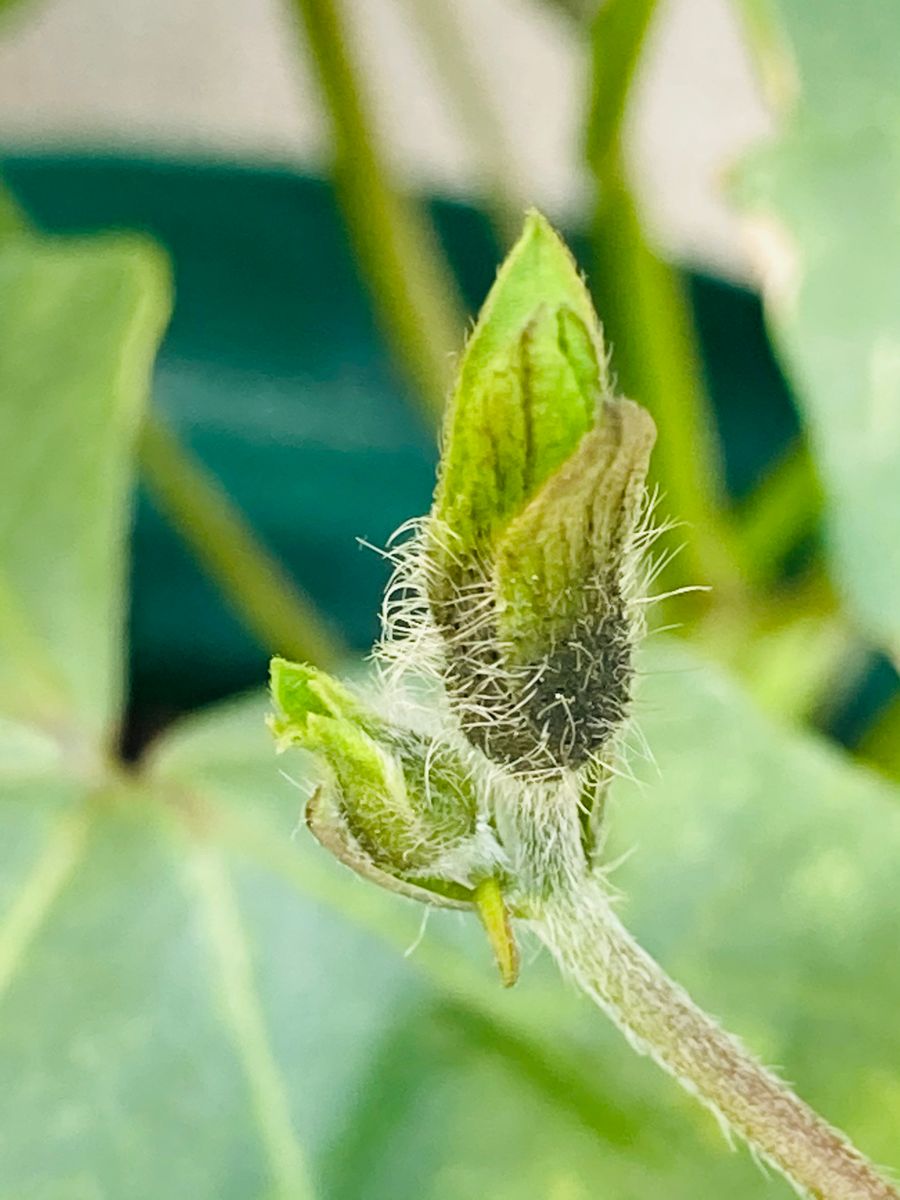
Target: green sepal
<point>494,914</point>
<point>328,825</point>
<point>573,532</point>
<point>527,391</point>
<point>530,555</point>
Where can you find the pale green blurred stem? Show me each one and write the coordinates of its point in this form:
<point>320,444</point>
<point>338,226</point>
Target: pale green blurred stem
<point>412,287</point>
<point>283,620</point>
<point>576,10</point>
<point>646,317</point>
<point>881,745</point>
<point>655,359</point>
<point>660,1018</point>
<point>784,508</point>
<point>12,219</point>
<point>469,92</point>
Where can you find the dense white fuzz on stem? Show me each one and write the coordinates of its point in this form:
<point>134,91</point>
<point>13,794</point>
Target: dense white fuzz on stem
<point>659,1018</point>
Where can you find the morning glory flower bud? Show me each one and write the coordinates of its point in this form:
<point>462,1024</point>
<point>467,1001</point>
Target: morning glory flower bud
<point>532,547</point>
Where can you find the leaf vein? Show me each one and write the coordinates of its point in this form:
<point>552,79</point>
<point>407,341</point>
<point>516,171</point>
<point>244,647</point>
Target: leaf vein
<point>244,1017</point>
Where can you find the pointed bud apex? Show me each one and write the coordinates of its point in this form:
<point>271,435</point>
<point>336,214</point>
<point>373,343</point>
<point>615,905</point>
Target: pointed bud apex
<point>526,392</point>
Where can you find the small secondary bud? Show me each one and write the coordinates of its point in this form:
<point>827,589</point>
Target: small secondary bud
<point>386,798</point>
<point>400,810</point>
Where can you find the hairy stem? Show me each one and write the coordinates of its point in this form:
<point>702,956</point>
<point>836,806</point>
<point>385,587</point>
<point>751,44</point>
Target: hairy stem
<point>252,580</point>
<point>412,286</point>
<point>660,1019</point>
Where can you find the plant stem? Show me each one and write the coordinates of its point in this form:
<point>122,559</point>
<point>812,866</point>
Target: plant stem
<point>282,618</point>
<point>618,33</point>
<point>12,219</point>
<point>646,317</point>
<point>783,509</point>
<point>661,1020</point>
<point>469,93</point>
<point>881,744</point>
<point>411,284</point>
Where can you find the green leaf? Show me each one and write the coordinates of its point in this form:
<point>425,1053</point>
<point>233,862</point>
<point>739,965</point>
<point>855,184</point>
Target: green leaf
<point>829,240</point>
<point>300,691</point>
<point>127,1014</point>
<point>397,808</point>
<point>527,388</point>
<point>79,323</point>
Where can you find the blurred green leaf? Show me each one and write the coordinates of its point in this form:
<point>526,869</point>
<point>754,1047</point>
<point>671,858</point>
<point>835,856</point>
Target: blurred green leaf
<point>79,324</point>
<point>119,1030</point>
<point>828,226</point>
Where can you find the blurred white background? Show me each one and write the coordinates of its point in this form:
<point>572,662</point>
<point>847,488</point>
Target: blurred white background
<point>224,78</point>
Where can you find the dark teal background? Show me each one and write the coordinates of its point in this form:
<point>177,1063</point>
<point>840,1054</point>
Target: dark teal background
<point>274,372</point>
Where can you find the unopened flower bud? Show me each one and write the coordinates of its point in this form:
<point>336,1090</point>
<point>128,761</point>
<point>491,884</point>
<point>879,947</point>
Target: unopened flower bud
<point>532,540</point>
